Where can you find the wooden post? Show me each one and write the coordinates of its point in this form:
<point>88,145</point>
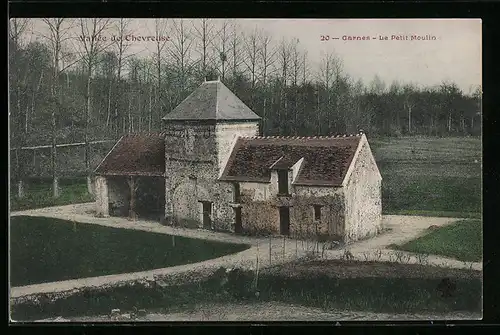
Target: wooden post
<point>284,242</point>
<point>173,241</point>
<point>20,181</point>
<point>257,267</point>
<point>55,180</point>
<point>270,251</point>
<point>131,183</point>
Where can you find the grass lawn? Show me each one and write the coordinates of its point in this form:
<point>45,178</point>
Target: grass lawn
<point>46,249</point>
<point>355,288</point>
<point>461,240</point>
<point>39,194</point>
<point>430,176</point>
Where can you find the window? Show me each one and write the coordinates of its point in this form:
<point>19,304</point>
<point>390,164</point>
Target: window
<point>237,194</point>
<point>317,212</point>
<point>282,181</point>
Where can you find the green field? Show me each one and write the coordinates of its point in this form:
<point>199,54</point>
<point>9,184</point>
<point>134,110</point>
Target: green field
<point>461,240</point>
<point>421,176</point>
<point>430,176</point>
<point>39,194</point>
<point>47,249</point>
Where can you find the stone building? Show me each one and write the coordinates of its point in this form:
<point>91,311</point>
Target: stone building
<point>210,169</point>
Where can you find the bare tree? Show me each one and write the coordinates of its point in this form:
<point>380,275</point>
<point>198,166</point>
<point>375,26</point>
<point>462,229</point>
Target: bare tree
<point>91,44</point>
<point>296,67</point>
<point>222,46</point>
<point>251,56</point>
<point>160,31</point>
<point>267,58</point>
<point>329,77</point>
<point>17,27</point>
<point>284,60</point>
<point>180,52</point>
<point>204,31</point>
<point>408,104</point>
<point>57,36</point>
<point>237,52</point>
<point>121,45</point>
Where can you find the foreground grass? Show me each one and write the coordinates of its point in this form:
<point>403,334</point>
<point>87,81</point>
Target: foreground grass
<point>461,240</point>
<point>39,194</point>
<point>46,249</point>
<point>375,294</point>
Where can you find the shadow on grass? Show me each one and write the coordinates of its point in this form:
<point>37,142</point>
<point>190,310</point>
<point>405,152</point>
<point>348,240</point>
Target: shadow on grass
<point>47,249</point>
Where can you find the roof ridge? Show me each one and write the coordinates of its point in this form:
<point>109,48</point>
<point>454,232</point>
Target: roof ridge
<point>315,137</point>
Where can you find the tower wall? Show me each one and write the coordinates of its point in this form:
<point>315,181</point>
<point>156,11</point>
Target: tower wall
<point>195,154</point>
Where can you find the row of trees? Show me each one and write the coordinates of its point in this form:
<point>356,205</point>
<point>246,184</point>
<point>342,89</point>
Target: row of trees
<point>67,83</point>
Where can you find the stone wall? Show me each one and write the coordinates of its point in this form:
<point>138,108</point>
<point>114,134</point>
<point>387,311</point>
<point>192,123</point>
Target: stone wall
<point>363,197</point>
<point>331,201</point>
<point>226,136</point>
<point>101,196</point>
<point>260,210</point>
<point>195,154</point>
<point>118,195</point>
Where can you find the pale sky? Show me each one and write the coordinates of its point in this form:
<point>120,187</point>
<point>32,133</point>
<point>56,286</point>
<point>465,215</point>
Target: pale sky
<point>451,52</point>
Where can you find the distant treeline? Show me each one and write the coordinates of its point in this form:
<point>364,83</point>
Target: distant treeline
<point>65,89</point>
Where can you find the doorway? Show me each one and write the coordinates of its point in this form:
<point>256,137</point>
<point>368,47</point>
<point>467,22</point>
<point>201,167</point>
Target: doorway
<point>207,214</point>
<point>284,220</point>
<point>238,227</point>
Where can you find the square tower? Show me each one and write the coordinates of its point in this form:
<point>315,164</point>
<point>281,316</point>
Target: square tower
<point>199,136</point>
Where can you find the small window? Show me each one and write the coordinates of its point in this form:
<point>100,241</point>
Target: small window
<point>282,181</point>
<point>317,212</point>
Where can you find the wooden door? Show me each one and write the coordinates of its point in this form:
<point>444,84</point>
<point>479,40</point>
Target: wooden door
<point>207,215</point>
<point>284,220</point>
<point>238,228</point>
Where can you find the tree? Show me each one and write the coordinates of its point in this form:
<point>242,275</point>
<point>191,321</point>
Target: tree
<point>57,37</point>
<point>161,28</point>
<point>251,57</point>
<point>91,44</point>
<point>221,46</point>
<point>120,45</point>
<point>180,52</point>
<point>204,32</point>
<point>17,27</point>
<point>267,58</point>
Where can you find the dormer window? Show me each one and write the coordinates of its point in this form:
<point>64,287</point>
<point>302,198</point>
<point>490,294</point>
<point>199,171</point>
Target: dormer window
<point>283,182</point>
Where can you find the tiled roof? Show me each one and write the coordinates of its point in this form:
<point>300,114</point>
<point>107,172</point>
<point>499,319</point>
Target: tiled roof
<point>211,101</point>
<point>136,154</point>
<point>326,159</point>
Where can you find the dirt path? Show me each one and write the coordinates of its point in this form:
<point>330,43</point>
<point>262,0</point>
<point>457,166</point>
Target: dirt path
<point>269,311</point>
<point>264,250</point>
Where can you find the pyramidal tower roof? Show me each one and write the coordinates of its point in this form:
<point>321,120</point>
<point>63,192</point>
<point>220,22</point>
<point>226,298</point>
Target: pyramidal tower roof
<point>212,100</point>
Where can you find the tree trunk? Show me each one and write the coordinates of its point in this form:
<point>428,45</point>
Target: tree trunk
<point>108,117</point>
<point>20,181</point>
<point>131,183</point>
<point>150,109</point>
<point>55,179</point>
<point>409,119</point>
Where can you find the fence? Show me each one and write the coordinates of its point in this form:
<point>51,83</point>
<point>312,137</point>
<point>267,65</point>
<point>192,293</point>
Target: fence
<point>54,162</point>
<point>275,250</point>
